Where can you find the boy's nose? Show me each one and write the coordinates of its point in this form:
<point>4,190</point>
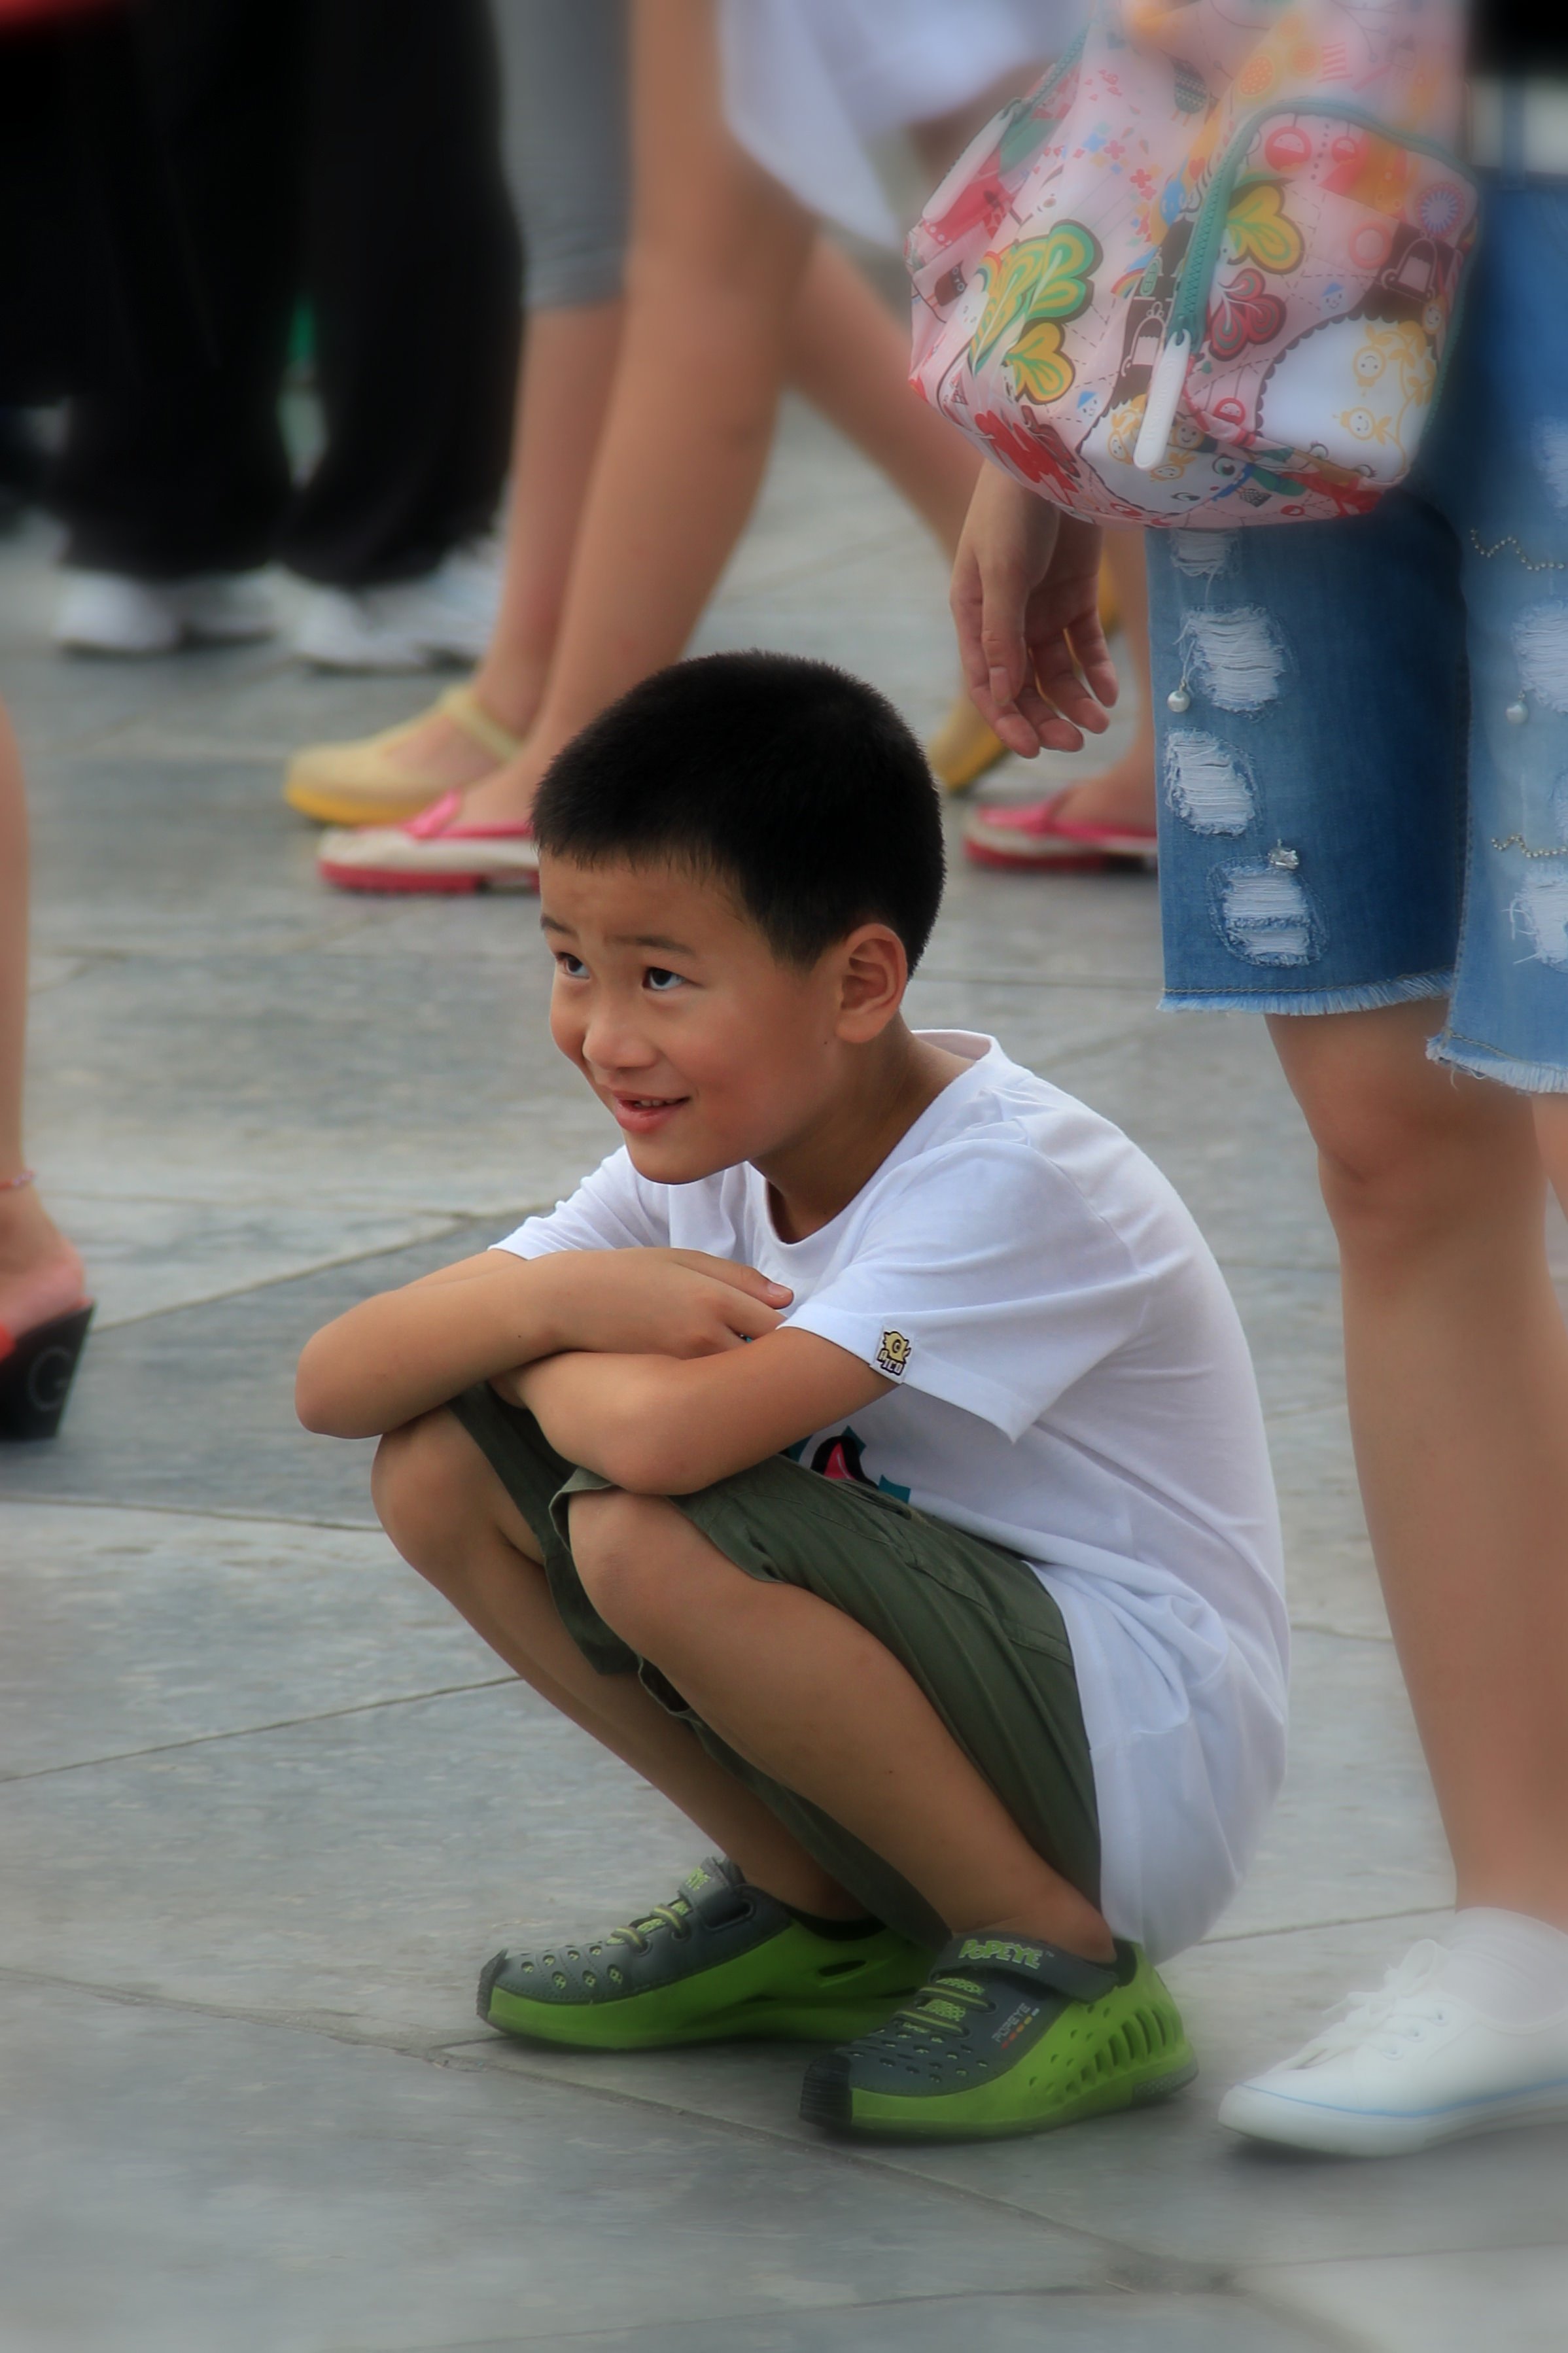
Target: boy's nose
<point>612,1042</point>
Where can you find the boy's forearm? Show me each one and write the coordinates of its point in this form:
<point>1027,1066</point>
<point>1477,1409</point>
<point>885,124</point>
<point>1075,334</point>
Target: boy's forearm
<point>600,1412</point>
<point>398,1355</point>
<point>659,1426</point>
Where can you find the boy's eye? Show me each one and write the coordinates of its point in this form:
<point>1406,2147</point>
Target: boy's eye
<point>572,968</point>
<point>655,977</point>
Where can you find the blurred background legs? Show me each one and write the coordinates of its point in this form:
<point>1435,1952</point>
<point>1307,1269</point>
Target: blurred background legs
<point>336,150</point>
<point>733,290</point>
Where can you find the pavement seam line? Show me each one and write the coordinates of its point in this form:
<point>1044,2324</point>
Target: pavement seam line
<point>226,1511</point>
<point>1310,1928</point>
<point>589,2337</point>
<point>252,1731</point>
<point>452,1220</point>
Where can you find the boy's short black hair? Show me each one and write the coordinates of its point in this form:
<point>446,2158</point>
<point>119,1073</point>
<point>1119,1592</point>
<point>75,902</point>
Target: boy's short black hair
<point>796,784</point>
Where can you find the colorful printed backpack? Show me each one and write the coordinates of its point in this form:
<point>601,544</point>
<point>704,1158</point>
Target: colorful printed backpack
<point>1207,272</point>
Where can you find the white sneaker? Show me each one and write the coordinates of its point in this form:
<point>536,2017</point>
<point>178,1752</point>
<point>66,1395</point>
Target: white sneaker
<point>446,616</point>
<point>108,612</point>
<point>1405,2067</point>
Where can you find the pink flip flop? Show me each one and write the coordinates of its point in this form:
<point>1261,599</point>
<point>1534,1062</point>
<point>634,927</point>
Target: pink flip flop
<point>431,852</point>
<point>1034,838</point>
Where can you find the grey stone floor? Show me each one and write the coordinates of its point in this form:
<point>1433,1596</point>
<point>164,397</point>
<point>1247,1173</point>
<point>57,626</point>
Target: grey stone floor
<point>266,1807</point>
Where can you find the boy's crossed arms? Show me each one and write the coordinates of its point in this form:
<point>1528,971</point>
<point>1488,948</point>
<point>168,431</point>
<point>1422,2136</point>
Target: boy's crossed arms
<point>629,1361</point>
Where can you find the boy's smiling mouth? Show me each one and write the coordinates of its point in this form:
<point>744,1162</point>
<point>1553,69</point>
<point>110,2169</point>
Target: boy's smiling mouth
<point>641,1114</point>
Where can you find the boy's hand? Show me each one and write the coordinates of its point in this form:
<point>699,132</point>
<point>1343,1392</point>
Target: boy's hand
<point>661,1302</point>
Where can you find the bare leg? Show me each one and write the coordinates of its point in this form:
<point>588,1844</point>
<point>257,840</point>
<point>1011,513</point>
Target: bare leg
<point>811,1697</point>
<point>562,393</point>
<point>1456,1365</point>
<point>1123,794</point>
<point>40,1275</point>
<point>1551,1135</point>
<point>850,357</point>
<point>450,1518</point>
<point>717,260</point>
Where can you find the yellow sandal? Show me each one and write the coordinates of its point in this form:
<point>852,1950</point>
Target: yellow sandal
<point>356,784</point>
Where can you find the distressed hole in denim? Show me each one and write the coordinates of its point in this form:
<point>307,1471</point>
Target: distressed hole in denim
<point>1550,442</point>
<point>1236,657</point>
<point>1266,914</point>
<point>1540,914</point>
<point>1202,554</point>
<point>1541,643</point>
<point>1206,784</point>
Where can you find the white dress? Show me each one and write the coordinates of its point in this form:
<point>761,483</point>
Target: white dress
<point>808,84</point>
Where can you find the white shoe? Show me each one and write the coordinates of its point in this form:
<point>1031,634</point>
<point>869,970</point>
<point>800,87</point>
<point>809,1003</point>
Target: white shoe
<point>446,616</point>
<point>1409,2065</point>
<point>108,612</point>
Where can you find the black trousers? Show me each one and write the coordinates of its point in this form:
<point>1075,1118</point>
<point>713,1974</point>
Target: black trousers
<point>345,152</point>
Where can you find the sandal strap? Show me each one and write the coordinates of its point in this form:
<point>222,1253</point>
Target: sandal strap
<point>463,708</point>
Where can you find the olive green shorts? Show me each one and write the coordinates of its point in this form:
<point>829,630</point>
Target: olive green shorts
<point>971,1623</point>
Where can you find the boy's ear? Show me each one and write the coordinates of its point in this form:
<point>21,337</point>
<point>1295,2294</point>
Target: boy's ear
<point>873,974</point>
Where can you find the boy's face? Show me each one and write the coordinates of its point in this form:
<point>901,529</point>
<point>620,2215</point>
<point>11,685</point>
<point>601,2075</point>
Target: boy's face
<point>707,1049</point>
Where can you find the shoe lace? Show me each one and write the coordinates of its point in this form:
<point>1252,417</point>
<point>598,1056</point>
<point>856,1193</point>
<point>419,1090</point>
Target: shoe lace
<point>1397,2013</point>
<point>940,2012</point>
<point>675,1915</point>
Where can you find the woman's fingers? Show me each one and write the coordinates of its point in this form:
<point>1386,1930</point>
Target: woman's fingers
<point>1004,555</point>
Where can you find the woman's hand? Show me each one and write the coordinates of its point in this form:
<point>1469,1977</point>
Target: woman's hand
<point>1026,603</point>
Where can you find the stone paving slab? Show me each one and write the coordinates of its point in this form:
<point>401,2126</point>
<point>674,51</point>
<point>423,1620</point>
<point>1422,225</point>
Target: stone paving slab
<point>117,1621</point>
<point>1441,2304</point>
<point>195,1408</point>
<point>181,2183</point>
<point>1017,2324</point>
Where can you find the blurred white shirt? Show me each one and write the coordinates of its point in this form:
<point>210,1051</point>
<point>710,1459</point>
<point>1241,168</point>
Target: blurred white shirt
<point>809,84</point>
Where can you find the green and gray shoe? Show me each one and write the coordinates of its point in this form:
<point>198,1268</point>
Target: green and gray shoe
<point>722,1958</point>
<point>1006,2037</point>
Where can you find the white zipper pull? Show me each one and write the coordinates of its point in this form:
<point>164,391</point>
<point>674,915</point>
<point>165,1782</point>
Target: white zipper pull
<point>1166,378</point>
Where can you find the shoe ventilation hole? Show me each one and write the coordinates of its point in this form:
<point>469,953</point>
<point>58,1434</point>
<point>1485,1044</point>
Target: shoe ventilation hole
<point>560,1976</point>
<point>616,1978</point>
<point>590,1980</point>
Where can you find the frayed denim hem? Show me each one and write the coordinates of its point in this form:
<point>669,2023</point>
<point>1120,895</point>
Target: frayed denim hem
<point>1480,1062</point>
<point>1368,999</point>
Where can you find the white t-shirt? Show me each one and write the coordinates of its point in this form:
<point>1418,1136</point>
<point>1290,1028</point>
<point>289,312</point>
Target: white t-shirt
<point>1071,1381</point>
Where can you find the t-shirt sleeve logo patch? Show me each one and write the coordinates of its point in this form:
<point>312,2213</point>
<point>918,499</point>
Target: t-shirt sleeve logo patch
<point>893,1355</point>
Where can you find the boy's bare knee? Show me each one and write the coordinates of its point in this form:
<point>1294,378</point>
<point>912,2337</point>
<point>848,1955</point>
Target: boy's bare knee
<point>618,1543</point>
<point>422,1482</point>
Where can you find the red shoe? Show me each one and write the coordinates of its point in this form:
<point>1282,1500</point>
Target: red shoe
<point>432,852</point>
<point>1034,836</point>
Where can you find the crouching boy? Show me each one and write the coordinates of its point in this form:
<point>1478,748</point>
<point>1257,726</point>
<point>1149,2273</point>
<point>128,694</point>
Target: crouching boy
<point>866,1452</point>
